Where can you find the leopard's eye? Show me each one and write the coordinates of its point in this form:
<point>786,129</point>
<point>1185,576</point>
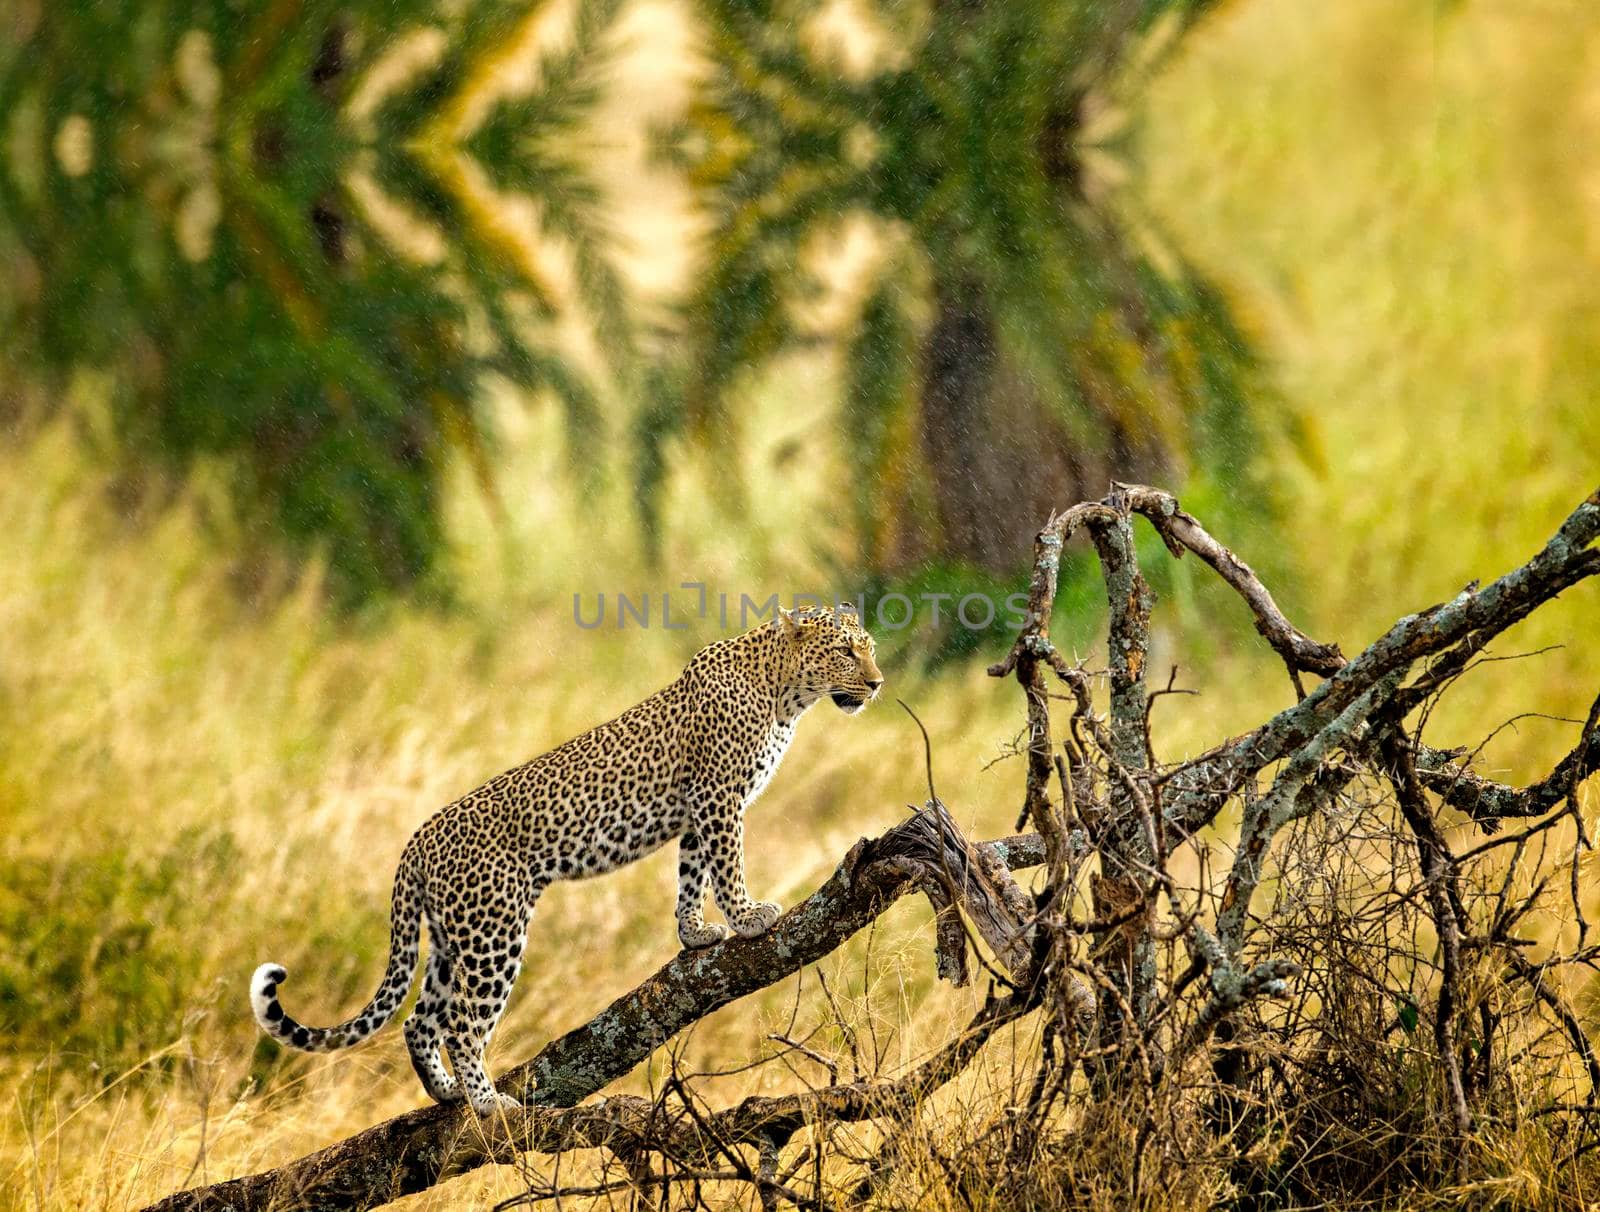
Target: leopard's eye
<point>847,649</point>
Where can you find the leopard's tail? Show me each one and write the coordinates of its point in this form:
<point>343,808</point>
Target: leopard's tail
<point>405,926</point>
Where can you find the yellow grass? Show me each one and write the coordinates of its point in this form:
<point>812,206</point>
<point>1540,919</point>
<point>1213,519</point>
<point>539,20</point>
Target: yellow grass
<point>1399,205</point>
<point>1405,207</point>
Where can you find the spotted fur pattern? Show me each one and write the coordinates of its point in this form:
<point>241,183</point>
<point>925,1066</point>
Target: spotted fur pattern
<point>684,764</point>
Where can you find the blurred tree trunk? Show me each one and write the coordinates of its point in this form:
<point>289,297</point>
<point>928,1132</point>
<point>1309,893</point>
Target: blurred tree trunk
<point>995,450</point>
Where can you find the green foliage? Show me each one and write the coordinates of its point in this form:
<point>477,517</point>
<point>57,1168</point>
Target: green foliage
<point>92,969</point>
<point>879,415</point>
<point>208,258</point>
<point>210,263</point>
<point>659,419</point>
<point>1408,1015</point>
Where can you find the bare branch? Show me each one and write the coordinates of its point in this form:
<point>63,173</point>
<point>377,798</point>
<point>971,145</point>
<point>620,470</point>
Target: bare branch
<point>1181,531</point>
<point>1487,801</point>
<point>1205,785</point>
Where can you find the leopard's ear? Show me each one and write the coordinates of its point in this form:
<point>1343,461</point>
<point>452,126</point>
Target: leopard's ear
<point>787,623</point>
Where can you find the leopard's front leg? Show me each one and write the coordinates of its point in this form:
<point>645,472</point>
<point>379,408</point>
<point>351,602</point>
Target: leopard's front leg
<point>720,826</point>
<point>693,929</point>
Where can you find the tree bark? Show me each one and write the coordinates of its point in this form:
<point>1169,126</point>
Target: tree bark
<point>1129,840</point>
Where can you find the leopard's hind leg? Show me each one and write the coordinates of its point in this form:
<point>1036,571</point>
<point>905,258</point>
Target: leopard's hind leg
<point>425,1028</point>
<point>485,967</point>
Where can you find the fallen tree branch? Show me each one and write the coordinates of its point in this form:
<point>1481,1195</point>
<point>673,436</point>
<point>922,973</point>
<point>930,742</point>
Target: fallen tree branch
<point>1487,801</point>
<point>414,1151</point>
<point>1169,806</point>
<point>1118,807</point>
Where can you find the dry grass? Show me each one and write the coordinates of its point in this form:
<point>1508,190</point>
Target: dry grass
<point>190,787</point>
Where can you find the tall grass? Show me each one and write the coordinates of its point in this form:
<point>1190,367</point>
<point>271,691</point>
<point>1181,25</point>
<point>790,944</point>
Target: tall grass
<point>191,785</point>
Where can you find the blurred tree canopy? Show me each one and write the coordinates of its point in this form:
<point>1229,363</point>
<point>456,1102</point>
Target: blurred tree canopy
<point>178,212</point>
<point>1017,347</point>
<point>182,223</point>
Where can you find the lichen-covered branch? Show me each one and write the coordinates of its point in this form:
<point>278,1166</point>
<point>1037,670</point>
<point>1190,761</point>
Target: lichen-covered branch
<point>1282,804</point>
<point>1030,654</point>
<point>1487,801</point>
<point>1202,788</point>
<point>1129,843</point>
<point>1133,814</point>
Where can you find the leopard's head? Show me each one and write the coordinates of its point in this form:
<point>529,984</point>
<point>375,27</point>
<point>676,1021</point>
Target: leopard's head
<point>829,653</point>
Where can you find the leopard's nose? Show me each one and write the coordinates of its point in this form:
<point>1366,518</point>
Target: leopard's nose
<point>873,684</point>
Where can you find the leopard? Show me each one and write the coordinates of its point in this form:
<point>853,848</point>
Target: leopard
<point>685,764</point>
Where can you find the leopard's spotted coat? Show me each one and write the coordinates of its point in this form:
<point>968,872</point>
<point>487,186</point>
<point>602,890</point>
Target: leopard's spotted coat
<point>683,764</point>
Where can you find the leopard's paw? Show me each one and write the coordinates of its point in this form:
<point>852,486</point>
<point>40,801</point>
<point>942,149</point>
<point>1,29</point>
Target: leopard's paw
<point>706,934</point>
<point>756,919</point>
<point>496,1102</point>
